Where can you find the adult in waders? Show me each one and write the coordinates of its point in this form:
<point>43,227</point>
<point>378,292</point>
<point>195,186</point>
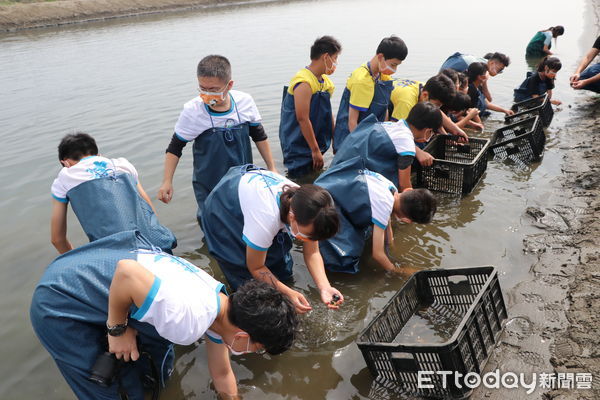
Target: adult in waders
<point>249,221</point>
<point>306,126</point>
<point>122,302</point>
<point>220,122</point>
<point>105,194</point>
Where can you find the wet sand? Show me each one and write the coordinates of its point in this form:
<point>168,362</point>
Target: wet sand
<point>19,16</point>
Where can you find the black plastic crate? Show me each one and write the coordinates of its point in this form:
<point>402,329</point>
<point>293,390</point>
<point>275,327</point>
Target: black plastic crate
<point>520,142</point>
<point>472,295</point>
<point>457,167</point>
<point>528,108</point>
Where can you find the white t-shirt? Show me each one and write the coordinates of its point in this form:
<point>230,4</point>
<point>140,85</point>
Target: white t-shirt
<point>548,38</point>
<point>259,200</point>
<point>401,136</point>
<point>183,300</point>
<point>381,198</point>
<point>197,117</point>
<point>87,169</point>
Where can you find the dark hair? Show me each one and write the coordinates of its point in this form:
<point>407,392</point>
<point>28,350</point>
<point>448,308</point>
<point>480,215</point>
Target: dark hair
<point>476,69</point>
<point>460,102</point>
<point>452,74</point>
<point>419,205</point>
<point>441,88</point>
<point>214,66</point>
<point>502,58</point>
<point>76,146</point>
<point>310,204</point>
<point>425,115</point>
<point>463,79</point>
<point>556,30</point>
<point>324,45</point>
<point>393,47</point>
<point>553,63</point>
<point>266,314</point>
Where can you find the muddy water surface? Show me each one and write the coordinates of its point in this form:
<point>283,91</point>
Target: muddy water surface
<point>125,82</point>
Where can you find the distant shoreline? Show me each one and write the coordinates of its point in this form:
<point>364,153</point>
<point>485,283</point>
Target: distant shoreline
<point>22,16</point>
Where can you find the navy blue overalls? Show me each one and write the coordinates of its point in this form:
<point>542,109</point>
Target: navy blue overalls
<point>456,62</point>
<point>374,145</point>
<point>215,151</point>
<point>69,311</point>
<point>378,108</point>
<point>522,92</point>
<point>347,185</point>
<point>297,156</point>
<point>112,204</point>
<point>223,224</point>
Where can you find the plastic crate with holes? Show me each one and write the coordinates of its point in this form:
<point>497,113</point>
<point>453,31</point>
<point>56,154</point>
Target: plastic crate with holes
<point>522,141</point>
<point>440,320</point>
<point>457,167</point>
<point>539,106</point>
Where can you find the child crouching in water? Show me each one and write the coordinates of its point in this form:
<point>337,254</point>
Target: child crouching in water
<point>540,82</point>
<point>462,114</point>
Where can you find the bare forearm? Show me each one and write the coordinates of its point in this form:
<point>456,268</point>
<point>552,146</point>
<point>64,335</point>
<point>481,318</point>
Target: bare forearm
<point>171,161</point>
<point>264,274</point>
<point>308,133</point>
<point>316,267</point>
<point>145,196</point>
<point>130,285</point>
<point>585,62</point>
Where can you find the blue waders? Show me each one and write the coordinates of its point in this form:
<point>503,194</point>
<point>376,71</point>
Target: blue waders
<point>521,93</point>
<point>112,204</point>
<point>69,310</point>
<point>456,62</point>
<point>378,107</point>
<point>347,185</point>
<point>223,223</point>
<point>297,156</point>
<point>374,145</point>
<point>215,151</point>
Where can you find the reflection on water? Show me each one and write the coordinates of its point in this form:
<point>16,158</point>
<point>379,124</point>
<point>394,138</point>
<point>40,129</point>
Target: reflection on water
<point>125,83</point>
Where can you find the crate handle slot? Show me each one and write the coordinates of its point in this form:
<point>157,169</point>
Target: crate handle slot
<point>441,171</point>
<point>459,285</point>
<point>404,362</point>
<point>511,149</point>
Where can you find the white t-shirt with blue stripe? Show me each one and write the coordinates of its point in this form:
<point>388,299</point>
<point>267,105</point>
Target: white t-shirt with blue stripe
<point>381,197</point>
<point>183,301</point>
<point>401,137</point>
<point>87,169</point>
<point>196,117</point>
<point>258,193</point>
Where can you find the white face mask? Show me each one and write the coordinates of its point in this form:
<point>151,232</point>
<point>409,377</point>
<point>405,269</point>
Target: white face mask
<point>247,351</point>
<point>386,69</point>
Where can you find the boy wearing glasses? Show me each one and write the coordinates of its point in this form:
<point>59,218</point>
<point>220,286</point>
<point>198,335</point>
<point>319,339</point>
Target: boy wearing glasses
<point>220,122</point>
<point>144,301</point>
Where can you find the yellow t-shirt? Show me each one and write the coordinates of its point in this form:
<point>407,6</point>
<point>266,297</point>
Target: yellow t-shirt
<point>361,85</point>
<point>305,75</point>
<point>404,97</point>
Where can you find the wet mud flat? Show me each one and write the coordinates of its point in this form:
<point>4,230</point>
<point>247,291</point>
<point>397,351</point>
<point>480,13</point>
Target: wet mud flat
<point>40,14</point>
<point>554,315</point>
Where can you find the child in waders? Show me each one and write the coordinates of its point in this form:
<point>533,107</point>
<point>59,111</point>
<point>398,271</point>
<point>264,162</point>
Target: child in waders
<point>123,290</point>
<point>539,46</point>
<point>477,74</point>
<point>368,89</point>
<point>306,126</point>
<point>462,114</point>
<point>366,200</point>
<point>540,82</point>
<point>105,194</point>
<point>220,122</point>
<point>389,147</point>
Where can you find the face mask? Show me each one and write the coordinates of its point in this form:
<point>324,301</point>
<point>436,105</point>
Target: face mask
<point>247,351</point>
<point>386,69</point>
<point>211,98</point>
<point>299,235</point>
<point>330,70</point>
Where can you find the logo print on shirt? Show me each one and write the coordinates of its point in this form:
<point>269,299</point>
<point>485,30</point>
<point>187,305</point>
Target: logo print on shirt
<point>100,170</point>
<point>268,178</point>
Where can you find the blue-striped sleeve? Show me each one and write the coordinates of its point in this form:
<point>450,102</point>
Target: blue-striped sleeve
<point>379,224</point>
<point>139,314</point>
<point>252,245</point>
<point>62,200</point>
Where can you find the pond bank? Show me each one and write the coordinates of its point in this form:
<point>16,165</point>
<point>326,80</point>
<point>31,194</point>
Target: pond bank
<point>20,16</point>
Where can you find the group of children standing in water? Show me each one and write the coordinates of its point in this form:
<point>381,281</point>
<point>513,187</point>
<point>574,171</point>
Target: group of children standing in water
<point>250,215</point>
